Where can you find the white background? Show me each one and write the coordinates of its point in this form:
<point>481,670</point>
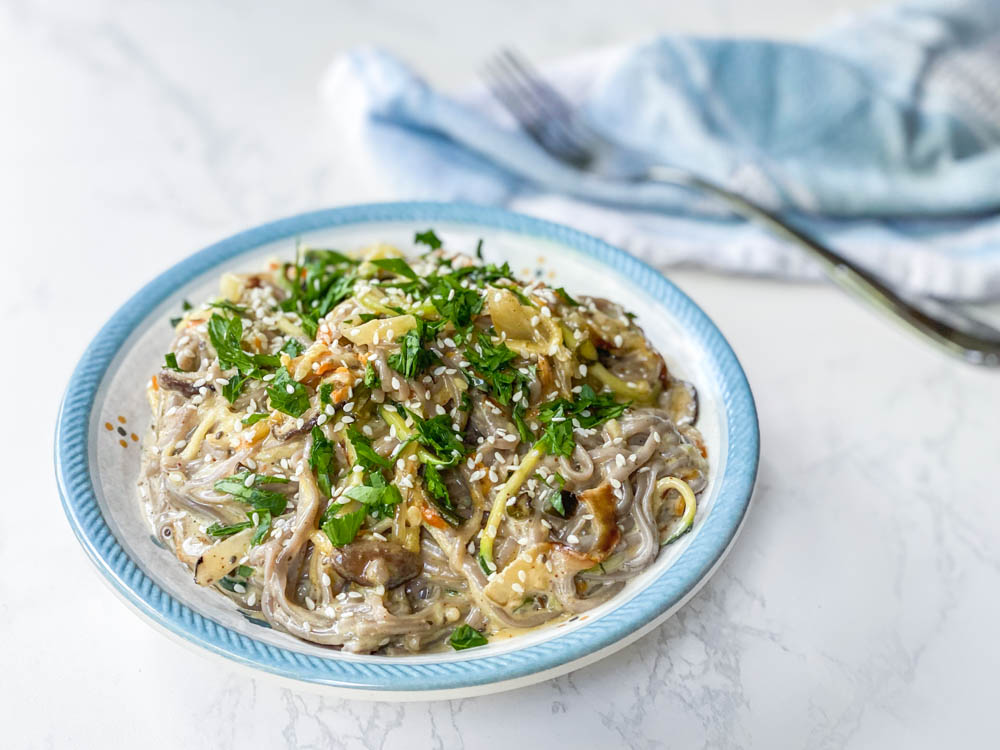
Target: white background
<point>860,605</point>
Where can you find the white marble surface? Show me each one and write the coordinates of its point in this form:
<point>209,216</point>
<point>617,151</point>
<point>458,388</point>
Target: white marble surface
<point>859,608</point>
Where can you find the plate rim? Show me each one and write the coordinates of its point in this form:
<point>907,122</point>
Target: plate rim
<point>661,596</point>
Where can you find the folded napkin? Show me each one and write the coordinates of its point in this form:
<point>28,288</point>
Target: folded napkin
<point>881,136</point>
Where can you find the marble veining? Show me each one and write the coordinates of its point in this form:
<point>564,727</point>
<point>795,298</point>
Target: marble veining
<point>858,608</point>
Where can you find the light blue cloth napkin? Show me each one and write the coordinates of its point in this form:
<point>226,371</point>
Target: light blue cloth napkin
<point>882,136</point>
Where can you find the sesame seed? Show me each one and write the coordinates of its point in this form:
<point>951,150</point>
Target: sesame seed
<point>573,539</point>
<point>395,384</point>
<point>252,599</point>
<point>321,419</point>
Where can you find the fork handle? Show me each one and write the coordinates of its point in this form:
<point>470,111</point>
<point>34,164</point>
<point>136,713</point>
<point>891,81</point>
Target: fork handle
<point>977,348</point>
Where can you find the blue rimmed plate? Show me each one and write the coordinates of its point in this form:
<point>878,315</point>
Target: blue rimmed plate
<point>104,411</point>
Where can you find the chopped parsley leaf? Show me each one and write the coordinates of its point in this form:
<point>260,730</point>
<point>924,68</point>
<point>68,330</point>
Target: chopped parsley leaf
<point>397,266</point>
<point>372,379</point>
<point>287,395</point>
<point>465,636</point>
<point>437,435</point>
<point>232,389</point>
<point>427,238</point>
<point>293,348</point>
<point>412,359</point>
<point>378,496</point>
<point>226,335</point>
<point>321,460</point>
<point>217,529</point>
<point>342,529</point>
<point>437,492</point>
<point>254,418</point>
<point>366,455</point>
<point>454,302</point>
<point>325,391</point>
<point>171,361</point>
<point>566,298</point>
<point>588,410</point>
<point>263,503</point>
<point>492,363</point>
<point>224,304</point>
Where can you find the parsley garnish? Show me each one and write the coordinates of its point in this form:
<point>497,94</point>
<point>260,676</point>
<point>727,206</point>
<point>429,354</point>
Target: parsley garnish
<point>438,493</point>
<point>171,361</point>
<point>292,403</point>
<point>325,389</point>
<point>342,529</point>
<point>466,636</point>
<point>588,410</point>
<point>378,496</point>
<point>454,302</point>
<point>217,529</point>
<point>491,363</point>
<point>479,249</point>
<point>566,298</point>
<point>372,379</point>
<point>254,418</point>
<point>226,335</point>
<point>224,304</point>
<point>293,348</point>
<point>264,504</point>
<point>366,455</point>
<point>437,435</point>
<point>231,390</point>
<point>328,258</point>
<point>322,280</point>
<point>321,459</point>
<point>427,238</point>
<point>397,266</point>
<point>412,359</point>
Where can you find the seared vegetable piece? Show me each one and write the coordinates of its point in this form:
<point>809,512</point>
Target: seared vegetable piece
<point>371,562</point>
<point>221,558</point>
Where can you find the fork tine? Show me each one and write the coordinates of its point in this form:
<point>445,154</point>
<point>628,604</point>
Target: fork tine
<point>526,115</point>
<point>557,105</point>
<point>545,116</point>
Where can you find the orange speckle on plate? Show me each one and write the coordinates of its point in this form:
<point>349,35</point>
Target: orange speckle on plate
<point>122,419</point>
<point>108,426</point>
<point>135,438</point>
<point>541,259</point>
<point>552,274</point>
<point>123,444</point>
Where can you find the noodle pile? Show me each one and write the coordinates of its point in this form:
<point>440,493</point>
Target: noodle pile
<point>394,456</point>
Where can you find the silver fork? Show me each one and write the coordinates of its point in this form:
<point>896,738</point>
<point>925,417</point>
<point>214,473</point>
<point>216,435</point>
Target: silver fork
<point>550,120</point>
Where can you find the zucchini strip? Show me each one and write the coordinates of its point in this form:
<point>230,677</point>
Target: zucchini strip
<point>690,506</point>
<point>510,489</point>
<point>624,388</point>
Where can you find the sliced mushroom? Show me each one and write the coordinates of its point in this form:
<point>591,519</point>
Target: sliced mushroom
<point>681,402</point>
<point>600,501</point>
<point>182,382</point>
<point>370,562</point>
<point>290,427</point>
